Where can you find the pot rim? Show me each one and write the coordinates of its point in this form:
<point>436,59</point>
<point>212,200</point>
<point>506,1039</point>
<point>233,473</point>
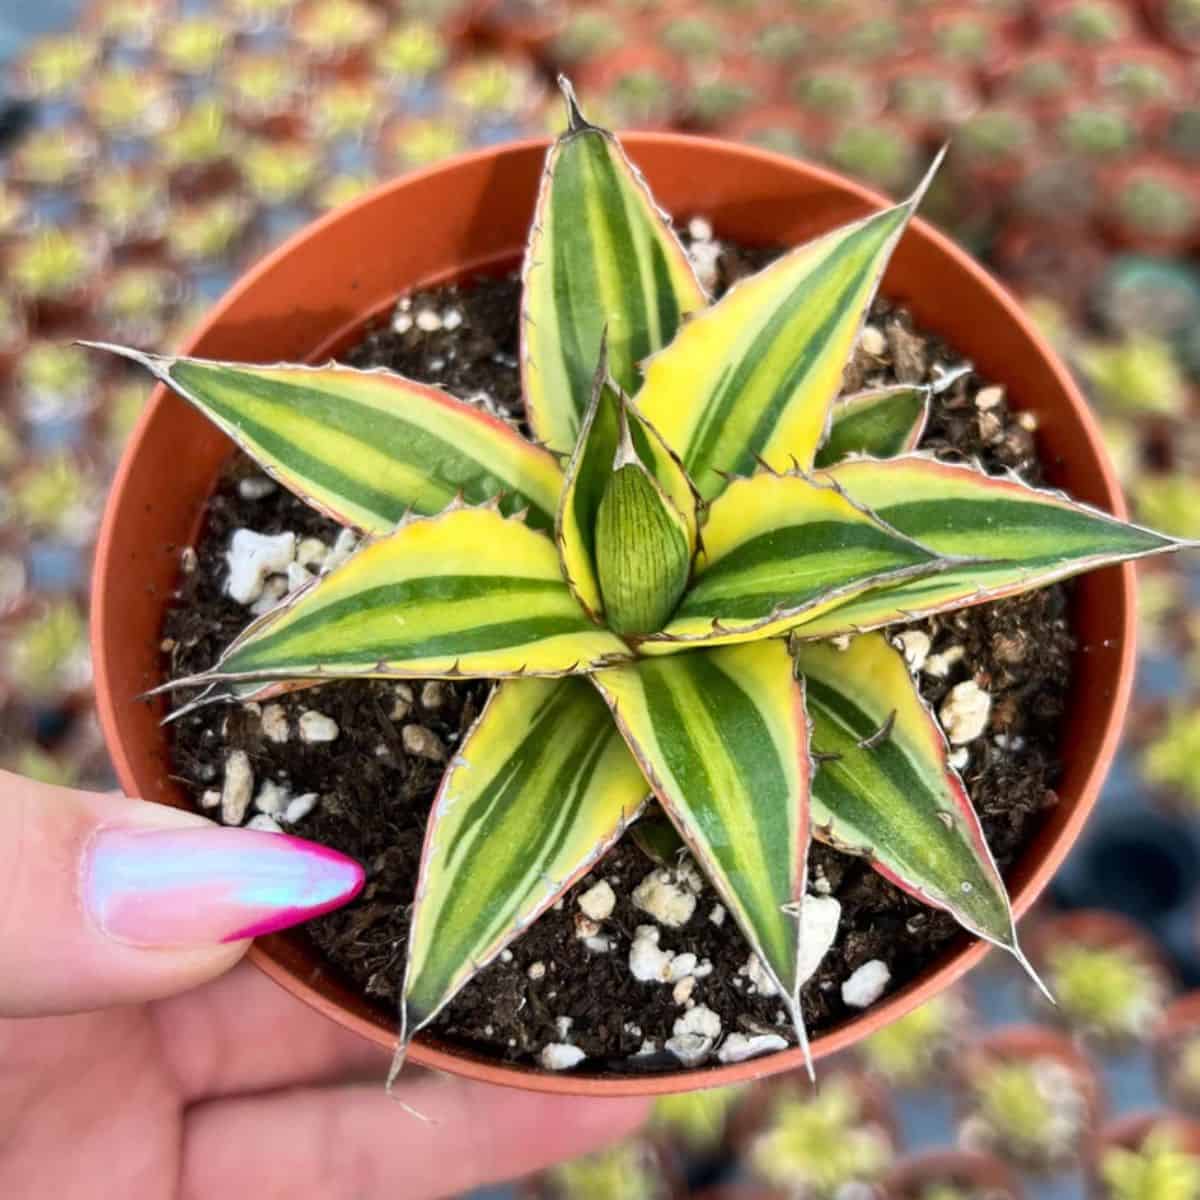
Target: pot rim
<point>964,953</point>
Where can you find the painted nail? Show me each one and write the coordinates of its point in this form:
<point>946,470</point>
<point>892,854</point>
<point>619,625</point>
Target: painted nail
<point>200,886</point>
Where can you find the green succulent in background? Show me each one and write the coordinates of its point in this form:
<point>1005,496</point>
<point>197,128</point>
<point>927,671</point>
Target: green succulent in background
<point>698,1120</point>
<point>873,39</point>
<point>32,762</point>
<point>53,157</point>
<point>341,189</point>
<point>693,38</point>
<point>930,97</point>
<point>911,1050</point>
<point>1183,21</point>
<point>411,52</point>
<point>277,172</point>
<point>817,1144</point>
<point>880,154</point>
<point>124,102</point>
<point>697,495</point>
<point>202,135</point>
<point>58,64</point>
<point>47,653</point>
<point>1123,441</point>
<point>1107,992</point>
<point>1160,1169</point>
<point>491,88</point>
<point>55,497</point>
<point>263,83</point>
<point>834,92</point>
<point>1145,294</point>
<point>781,42</point>
<point>721,98</point>
<point>641,97</point>
<point>1172,759</point>
<point>587,34</point>
<point>1031,1109</point>
<point>945,1191</point>
<point>1041,79</point>
<point>1093,22</point>
<point>1138,375</point>
<point>347,110</point>
<point>207,231</point>
<point>136,302</point>
<point>1171,500</point>
<point>1156,206</point>
<point>623,1172</point>
<point>330,28</point>
<point>425,140</point>
<point>995,135</point>
<point>1096,132</point>
<point>53,377</point>
<point>965,39</point>
<point>193,45</point>
<point>128,203</point>
<point>782,139</point>
<point>1137,82</point>
<point>52,264</point>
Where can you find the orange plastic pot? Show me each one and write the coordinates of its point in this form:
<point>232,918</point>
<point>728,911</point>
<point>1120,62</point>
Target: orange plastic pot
<point>312,297</point>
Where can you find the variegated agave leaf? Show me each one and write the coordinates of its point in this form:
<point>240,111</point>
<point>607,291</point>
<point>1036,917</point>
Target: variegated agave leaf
<point>1027,538</point>
<point>469,592</point>
<point>778,551</point>
<point>542,786</point>
<point>880,423</point>
<point>752,378</point>
<point>885,789</point>
<point>365,447</point>
<point>609,420</point>
<point>723,738</point>
<point>601,257</point>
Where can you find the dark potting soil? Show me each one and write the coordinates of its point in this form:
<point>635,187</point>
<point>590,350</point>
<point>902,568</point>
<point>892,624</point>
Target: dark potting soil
<point>375,794</point>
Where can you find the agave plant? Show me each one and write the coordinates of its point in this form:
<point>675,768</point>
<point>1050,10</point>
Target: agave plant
<point>632,577</point>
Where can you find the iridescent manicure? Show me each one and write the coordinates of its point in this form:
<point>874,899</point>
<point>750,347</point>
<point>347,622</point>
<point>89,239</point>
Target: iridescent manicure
<point>199,886</point>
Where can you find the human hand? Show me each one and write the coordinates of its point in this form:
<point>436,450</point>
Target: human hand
<point>139,1060</point>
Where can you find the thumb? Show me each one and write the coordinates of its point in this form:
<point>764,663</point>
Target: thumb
<point>105,900</point>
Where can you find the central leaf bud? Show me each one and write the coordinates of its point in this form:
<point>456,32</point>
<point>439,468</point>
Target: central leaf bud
<point>642,555</point>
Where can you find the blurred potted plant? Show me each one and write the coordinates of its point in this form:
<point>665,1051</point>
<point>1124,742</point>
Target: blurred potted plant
<point>952,1175</point>
<point>919,1047</point>
<point>1151,206</point>
<point>1029,1097</point>
<point>1153,1156</point>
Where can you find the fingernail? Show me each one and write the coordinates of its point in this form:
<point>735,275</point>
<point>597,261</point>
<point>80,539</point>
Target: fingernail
<point>200,886</point>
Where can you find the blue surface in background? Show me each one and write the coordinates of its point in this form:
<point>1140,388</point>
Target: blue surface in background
<point>21,19</point>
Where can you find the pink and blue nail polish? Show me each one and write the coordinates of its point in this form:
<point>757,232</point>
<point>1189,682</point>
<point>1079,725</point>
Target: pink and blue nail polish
<point>200,886</point>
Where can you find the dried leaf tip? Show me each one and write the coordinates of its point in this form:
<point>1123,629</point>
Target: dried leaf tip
<point>576,121</point>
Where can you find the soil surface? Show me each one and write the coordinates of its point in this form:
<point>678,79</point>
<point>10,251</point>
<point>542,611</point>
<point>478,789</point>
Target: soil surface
<point>374,795</point>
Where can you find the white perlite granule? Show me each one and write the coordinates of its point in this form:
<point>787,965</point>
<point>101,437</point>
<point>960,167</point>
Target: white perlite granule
<point>965,711</point>
<point>867,984</point>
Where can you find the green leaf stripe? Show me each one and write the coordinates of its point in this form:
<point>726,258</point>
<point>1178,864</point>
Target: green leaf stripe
<point>542,786</point>
<point>1028,538</point>
<point>778,551</point>
<point>601,259</point>
<point>752,378</point>
<point>367,447</point>
<point>880,423</point>
<point>467,592</point>
<point>897,802</point>
<point>723,739</point>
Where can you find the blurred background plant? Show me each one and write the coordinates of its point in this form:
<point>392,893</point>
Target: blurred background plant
<point>151,149</point>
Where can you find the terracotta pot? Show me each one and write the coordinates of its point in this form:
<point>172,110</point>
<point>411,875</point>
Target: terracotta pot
<point>1030,1042</point>
<point>979,1173</point>
<point>312,297</point>
<point>1129,1132</point>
